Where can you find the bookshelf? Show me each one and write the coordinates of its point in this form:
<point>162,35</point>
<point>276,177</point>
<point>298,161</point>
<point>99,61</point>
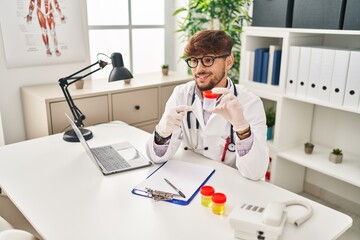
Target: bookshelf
<point>300,119</point>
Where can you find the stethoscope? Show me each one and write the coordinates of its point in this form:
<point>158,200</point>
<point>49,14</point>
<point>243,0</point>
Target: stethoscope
<point>230,143</point>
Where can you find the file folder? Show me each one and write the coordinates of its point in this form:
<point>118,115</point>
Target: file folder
<point>326,71</point>
<point>352,90</point>
<point>275,78</point>
<point>338,81</point>
<point>303,72</point>
<point>187,177</point>
<point>293,64</point>
<point>314,73</point>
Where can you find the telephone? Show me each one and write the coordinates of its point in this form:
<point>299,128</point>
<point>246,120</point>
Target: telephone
<point>259,223</point>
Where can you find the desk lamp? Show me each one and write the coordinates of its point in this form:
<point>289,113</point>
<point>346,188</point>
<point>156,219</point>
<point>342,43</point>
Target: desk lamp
<point>119,72</point>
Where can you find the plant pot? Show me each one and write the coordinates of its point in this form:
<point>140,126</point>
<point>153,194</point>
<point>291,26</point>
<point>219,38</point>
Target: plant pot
<point>79,84</point>
<point>309,150</point>
<point>165,71</point>
<point>269,133</point>
<point>335,158</point>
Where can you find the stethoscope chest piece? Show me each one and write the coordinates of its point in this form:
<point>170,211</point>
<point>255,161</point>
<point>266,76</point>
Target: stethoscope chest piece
<point>231,147</point>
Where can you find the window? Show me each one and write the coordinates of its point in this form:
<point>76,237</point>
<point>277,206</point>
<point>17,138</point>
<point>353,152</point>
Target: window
<point>135,28</point>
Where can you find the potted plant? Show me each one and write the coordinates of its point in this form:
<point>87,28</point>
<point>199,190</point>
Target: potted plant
<point>165,69</point>
<point>336,156</point>
<point>270,121</point>
<point>229,16</point>
<point>309,147</point>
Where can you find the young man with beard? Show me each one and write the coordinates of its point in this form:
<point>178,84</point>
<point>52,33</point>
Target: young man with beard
<point>234,133</point>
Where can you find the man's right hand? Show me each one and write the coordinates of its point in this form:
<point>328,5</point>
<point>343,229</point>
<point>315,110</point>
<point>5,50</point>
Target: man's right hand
<point>171,120</point>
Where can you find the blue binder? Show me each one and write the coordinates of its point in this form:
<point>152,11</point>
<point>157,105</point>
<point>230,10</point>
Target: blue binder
<point>259,53</point>
<point>276,68</point>
<point>187,177</point>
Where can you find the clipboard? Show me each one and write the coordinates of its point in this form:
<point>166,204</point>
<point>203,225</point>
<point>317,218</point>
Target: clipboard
<point>187,177</point>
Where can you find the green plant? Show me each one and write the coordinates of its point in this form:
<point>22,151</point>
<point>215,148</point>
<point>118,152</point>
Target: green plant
<point>309,145</point>
<point>165,66</point>
<point>227,15</point>
<point>270,116</point>
<point>337,151</point>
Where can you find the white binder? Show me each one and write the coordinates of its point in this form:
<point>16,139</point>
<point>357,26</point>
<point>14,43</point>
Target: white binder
<point>326,70</point>
<point>352,90</point>
<point>303,72</point>
<point>293,63</point>
<point>338,81</point>
<point>314,73</point>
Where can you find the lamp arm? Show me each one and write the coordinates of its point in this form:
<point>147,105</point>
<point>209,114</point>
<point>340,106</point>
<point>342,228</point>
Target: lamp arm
<point>65,82</point>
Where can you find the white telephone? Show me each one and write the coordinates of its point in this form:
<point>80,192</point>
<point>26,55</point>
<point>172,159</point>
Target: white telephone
<point>255,222</point>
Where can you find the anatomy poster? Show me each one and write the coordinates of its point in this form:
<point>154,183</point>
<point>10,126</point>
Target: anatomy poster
<point>40,32</point>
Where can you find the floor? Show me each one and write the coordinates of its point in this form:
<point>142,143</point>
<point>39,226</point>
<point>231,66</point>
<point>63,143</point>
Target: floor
<point>351,234</point>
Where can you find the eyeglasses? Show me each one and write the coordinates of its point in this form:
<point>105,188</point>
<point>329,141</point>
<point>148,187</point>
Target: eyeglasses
<point>206,61</point>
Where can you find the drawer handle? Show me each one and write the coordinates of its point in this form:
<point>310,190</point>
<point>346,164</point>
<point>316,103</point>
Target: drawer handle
<point>137,107</point>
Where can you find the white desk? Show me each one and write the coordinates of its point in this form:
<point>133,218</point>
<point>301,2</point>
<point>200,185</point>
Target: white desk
<point>64,196</point>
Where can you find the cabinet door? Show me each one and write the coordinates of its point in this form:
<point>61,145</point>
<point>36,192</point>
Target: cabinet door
<point>135,106</point>
<point>95,110</point>
<point>165,94</point>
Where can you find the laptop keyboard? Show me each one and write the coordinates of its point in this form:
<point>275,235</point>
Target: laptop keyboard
<point>110,158</point>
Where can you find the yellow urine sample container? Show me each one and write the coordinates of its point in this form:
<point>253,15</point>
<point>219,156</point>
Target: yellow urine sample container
<point>218,203</point>
<point>206,195</point>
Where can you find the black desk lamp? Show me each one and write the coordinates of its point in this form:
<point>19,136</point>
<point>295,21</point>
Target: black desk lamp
<point>119,72</point>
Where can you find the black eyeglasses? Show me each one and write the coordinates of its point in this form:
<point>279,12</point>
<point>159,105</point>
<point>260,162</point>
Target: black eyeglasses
<point>206,61</point>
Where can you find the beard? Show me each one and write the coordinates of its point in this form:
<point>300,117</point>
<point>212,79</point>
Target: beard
<point>214,80</point>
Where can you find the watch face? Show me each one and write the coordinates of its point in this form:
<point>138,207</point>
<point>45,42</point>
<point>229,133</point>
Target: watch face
<point>231,147</point>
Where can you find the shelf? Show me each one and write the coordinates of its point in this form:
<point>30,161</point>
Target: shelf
<point>347,171</point>
<point>320,103</point>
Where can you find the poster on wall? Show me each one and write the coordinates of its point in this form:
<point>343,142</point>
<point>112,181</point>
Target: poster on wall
<point>41,32</point>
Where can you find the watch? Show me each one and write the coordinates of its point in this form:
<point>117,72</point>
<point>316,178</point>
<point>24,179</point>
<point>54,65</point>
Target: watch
<point>160,140</point>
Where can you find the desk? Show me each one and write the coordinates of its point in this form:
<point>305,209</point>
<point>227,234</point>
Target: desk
<point>64,196</point>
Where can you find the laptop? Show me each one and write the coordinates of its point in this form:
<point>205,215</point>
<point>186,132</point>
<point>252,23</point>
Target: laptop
<point>112,158</point>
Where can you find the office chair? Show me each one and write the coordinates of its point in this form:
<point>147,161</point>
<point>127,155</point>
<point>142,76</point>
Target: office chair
<point>4,225</point>
<point>16,234</point>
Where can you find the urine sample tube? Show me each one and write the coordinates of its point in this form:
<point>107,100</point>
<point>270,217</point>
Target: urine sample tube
<point>218,203</point>
<point>209,102</point>
<point>206,195</point>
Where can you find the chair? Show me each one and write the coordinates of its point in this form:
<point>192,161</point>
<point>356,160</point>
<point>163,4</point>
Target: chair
<point>4,225</point>
<point>16,234</point>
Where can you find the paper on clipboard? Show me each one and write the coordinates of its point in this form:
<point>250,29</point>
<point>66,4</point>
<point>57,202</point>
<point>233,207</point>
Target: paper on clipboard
<point>187,177</point>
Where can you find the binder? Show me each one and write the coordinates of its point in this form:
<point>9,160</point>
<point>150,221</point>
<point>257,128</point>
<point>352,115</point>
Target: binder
<point>314,73</point>
<point>265,67</point>
<point>187,177</point>
<point>352,89</point>
<point>326,70</point>
<point>259,53</point>
<point>249,65</point>
<point>275,76</point>
<point>293,63</point>
<point>272,49</point>
<point>303,72</point>
<point>338,81</point>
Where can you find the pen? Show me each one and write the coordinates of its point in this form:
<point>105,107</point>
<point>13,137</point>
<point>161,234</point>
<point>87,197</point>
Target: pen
<point>177,190</point>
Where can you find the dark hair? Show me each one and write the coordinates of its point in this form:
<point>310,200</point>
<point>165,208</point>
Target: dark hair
<point>205,42</point>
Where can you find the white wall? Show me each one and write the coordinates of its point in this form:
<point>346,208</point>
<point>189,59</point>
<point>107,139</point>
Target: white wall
<point>11,80</point>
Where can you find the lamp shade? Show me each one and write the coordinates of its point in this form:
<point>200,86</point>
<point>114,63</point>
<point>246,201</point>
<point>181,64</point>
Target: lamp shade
<point>119,72</point>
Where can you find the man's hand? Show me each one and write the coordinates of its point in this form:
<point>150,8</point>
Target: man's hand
<point>171,120</point>
<point>230,109</point>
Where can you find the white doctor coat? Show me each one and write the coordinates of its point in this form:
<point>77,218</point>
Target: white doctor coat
<point>209,140</point>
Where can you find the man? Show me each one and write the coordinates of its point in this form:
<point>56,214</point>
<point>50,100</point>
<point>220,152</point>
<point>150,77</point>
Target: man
<point>233,133</point>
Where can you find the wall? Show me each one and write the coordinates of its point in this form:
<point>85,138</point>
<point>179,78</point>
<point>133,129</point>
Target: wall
<point>11,81</point>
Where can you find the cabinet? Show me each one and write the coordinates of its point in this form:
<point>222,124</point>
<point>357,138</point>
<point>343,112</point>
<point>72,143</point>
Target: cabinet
<point>300,119</point>
<point>140,103</point>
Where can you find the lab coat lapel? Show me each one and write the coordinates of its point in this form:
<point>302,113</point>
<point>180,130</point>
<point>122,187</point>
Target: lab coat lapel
<point>215,124</point>
<point>198,112</point>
